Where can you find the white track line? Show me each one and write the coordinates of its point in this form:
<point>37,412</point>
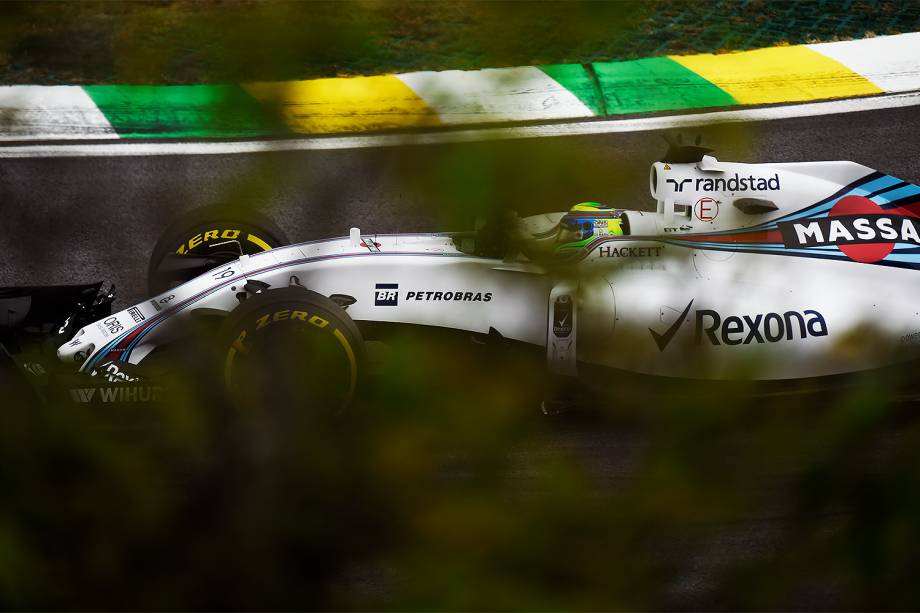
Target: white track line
<point>608,126</point>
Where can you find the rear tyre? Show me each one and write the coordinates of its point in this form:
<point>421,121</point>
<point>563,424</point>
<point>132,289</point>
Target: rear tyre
<point>211,236</point>
<point>292,352</point>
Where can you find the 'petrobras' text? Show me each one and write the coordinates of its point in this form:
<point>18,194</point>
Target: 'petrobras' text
<point>455,296</point>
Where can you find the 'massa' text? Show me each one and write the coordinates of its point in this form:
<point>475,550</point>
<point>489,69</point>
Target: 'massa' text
<point>850,230</point>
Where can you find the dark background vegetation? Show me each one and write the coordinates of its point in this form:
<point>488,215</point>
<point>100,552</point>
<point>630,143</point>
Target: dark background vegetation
<point>445,487</point>
<point>218,41</point>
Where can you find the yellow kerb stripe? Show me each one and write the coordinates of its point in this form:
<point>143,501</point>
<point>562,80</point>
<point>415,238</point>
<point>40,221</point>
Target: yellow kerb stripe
<point>778,74</point>
<point>354,104</point>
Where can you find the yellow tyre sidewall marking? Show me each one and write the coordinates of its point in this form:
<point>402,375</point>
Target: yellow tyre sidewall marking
<point>225,234</point>
<point>204,237</point>
<point>252,238</point>
<point>238,347</point>
<point>352,362</point>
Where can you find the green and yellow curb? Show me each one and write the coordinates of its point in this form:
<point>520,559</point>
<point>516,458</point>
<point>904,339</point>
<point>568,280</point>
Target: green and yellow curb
<point>545,94</point>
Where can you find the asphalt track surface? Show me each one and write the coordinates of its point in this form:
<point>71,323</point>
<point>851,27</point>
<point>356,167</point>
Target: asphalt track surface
<point>86,219</point>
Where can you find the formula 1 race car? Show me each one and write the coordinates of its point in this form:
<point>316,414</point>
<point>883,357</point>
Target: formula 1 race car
<point>771,271</point>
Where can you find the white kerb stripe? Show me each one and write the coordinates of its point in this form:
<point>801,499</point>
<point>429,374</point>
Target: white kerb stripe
<point>50,112</point>
<point>579,128</point>
<point>495,94</point>
<point>890,62</point>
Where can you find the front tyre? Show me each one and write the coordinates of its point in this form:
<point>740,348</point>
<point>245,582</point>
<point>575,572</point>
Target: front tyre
<point>291,351</point>
<point>207,237</point>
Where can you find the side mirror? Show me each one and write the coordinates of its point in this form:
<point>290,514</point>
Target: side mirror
<point>710,164</point>
<point>755,206</point>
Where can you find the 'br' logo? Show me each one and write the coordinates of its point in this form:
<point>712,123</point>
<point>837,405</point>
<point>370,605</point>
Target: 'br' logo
<point>386,294</point>
<point>706,209</point>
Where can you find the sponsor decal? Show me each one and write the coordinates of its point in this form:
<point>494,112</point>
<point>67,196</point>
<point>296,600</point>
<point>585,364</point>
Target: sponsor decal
<point>111,372</point>
<point>667,167</point>
<point>858,227</point>
<point>84,394</point>
<point>136,315</point>
<point>683,228</point>
<point>113,324</point>
<point>679,184</point>
<point>386,294</point>
<point>156,305</point>
<point>117,393</point>
<point>450,296</point>
<point>662,340</point>
<point>760,328</point>
<point>844,226</point>
<point>736,183</point>
<point>109,326</point>
<point>911,339</point>
<point>562,316</point>
<point>629,252</point>
<point>711,327</point>
<point>706,209</point>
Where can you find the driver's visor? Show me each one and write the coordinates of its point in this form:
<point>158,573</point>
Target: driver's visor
<point>571,230</point>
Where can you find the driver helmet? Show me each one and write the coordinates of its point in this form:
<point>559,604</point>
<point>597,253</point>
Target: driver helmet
<point>585,222</point>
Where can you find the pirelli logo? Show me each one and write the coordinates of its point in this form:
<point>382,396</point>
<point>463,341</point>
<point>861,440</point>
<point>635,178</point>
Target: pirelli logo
<point>136,315</point>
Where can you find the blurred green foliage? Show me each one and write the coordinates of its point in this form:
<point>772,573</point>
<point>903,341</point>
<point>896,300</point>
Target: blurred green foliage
<point>227,41</point>
<point>446,488</point>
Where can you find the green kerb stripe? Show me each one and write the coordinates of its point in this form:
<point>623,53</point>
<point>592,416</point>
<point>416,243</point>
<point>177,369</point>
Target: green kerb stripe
<point>178,111</point>
<point>655,84</point>
<point>214,111</point>
<point>575,78</point>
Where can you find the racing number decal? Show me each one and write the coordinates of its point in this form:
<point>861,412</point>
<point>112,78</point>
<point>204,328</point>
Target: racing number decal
<point>223,273</point>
